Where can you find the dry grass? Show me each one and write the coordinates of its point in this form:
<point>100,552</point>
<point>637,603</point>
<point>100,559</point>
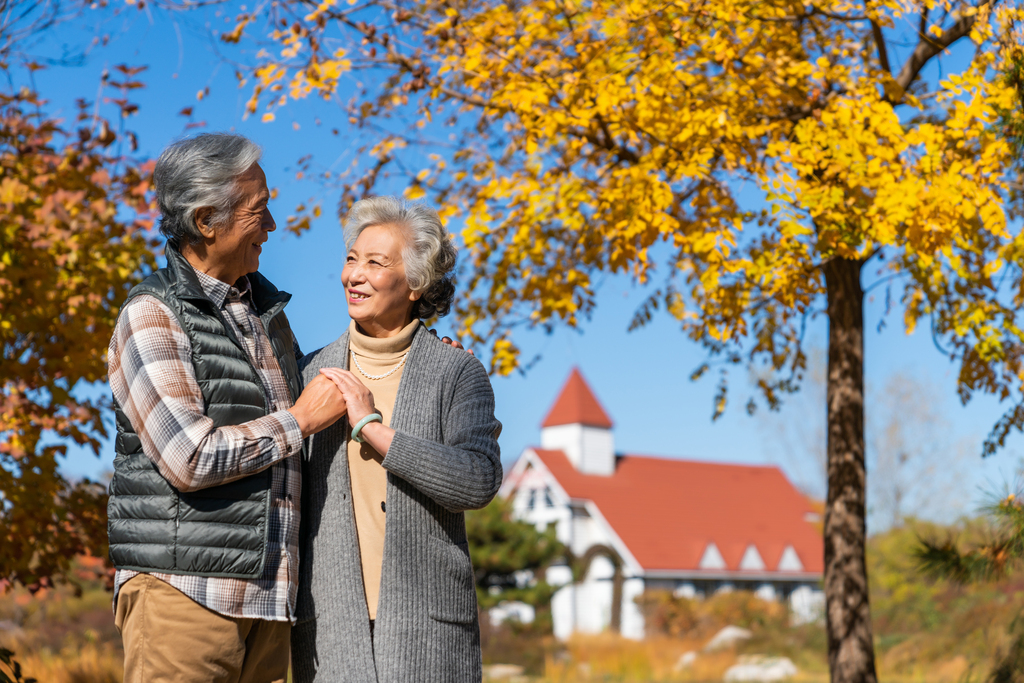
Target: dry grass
<point>94,663</point>
<point>61,637</point>
<point>925,632</point>
<point>610,658</point>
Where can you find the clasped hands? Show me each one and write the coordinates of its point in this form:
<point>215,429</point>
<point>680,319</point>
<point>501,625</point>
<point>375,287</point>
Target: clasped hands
<point>330,396</point>
<point>359,404</point>
<point>335,393</point>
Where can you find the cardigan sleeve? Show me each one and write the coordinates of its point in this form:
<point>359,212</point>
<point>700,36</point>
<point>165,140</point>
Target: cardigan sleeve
<point>463,473</point>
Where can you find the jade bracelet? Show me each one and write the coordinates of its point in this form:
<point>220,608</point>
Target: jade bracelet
<point>372,417</point>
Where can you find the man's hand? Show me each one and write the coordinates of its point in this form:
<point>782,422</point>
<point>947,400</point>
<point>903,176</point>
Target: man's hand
<point>453,343</point>
<point>319,406</point>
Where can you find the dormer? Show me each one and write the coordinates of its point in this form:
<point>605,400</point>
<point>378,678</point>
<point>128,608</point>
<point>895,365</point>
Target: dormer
<point>578,426</point>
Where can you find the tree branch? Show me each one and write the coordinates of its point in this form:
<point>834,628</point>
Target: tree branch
<point>929,47</point>
<point>883,52</point>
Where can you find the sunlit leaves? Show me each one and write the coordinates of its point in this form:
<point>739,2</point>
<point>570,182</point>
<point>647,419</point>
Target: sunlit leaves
<point>73,225</point>
<point>723,151</point>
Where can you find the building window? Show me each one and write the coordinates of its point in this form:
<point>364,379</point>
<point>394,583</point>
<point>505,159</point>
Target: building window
<point>548,503</point>
<point>531,499</point>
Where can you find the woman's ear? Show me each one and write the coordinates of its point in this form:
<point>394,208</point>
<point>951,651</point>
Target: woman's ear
<point>203,215</point>
<point>415,296</point>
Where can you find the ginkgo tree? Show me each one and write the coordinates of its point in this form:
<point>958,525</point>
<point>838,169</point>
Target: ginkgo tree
<point>753,162</point>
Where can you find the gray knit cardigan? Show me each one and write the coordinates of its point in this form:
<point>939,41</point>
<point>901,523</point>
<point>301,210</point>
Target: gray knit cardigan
<point>443,460</point>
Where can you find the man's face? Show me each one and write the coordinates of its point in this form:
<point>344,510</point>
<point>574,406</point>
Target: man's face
<point>237,246</point>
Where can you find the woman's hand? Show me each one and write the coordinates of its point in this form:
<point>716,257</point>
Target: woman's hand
<point>358,399</point>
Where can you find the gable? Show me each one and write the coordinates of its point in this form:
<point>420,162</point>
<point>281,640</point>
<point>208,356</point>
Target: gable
<point>712,558</point>
<point>751,560</point>
<point>790,561</point>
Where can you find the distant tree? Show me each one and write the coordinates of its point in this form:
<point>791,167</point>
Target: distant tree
<point>74,216</point>
<point>510,556</point>
<point>795,436</point>
<point>756,159</point>
<point>918,468</point>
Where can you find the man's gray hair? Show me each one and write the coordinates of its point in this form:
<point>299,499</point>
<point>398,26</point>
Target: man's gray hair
<point>429,256</point>
<point>197,172</point>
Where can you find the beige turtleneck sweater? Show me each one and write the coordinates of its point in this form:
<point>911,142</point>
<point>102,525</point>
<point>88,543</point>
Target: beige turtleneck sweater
<point>369,479</point>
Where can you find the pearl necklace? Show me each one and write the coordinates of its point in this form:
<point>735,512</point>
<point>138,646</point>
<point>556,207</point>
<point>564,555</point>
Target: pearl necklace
<point>386,374</point>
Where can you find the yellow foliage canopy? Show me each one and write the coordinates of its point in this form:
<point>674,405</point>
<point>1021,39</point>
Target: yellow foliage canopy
<point>735,146</point>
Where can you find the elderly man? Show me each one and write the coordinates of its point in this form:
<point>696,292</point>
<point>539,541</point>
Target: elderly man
<point>204,503</point>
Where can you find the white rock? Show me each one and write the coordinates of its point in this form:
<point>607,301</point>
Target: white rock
<point>727,637</point>
<point>761,669</point>
<point>686,660</point>
<point>511,611</point>
<point>499,671</point>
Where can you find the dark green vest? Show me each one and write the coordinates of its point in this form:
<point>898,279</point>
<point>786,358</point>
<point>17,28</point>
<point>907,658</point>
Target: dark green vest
<point>222,530</point>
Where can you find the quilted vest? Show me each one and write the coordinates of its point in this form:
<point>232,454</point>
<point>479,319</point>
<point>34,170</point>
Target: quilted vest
<point>219,531</point>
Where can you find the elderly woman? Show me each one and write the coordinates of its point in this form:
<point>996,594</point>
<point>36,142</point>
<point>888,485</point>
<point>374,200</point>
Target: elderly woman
<point>386,591</point>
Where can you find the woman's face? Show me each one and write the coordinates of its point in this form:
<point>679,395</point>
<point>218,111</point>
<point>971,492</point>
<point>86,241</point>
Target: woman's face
<point>378,295</point>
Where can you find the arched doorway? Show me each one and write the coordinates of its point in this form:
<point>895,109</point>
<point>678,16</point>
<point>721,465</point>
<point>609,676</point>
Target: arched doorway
<point>581,566</point>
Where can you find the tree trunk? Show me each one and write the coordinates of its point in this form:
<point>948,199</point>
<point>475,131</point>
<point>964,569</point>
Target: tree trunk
<point>851,654</point>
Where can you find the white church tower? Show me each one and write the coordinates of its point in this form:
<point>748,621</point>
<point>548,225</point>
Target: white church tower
<point>578,426</point>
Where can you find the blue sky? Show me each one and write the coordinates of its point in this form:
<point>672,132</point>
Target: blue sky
<point>642,378</point>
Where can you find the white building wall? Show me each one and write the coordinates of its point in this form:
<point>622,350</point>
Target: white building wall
<point>563,611</point>
<point>601,569</point>
<point>558,575</point>
<point>586,533</point>
<point>598,455</point>
<point>807,605</point>
<point>587,607</point>
<point>632,617</point>
<point>538,499</point>
<point>582,608</point>
<point>591,450</point>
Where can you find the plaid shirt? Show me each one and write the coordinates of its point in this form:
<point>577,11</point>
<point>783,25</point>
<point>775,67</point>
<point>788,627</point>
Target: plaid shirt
<point>153,380</point>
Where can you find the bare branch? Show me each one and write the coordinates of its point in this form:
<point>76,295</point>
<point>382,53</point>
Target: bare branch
<point>883,52</point>
<point>929,47</point>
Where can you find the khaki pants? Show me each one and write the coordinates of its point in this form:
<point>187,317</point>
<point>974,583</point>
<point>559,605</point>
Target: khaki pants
<point>170,638</point>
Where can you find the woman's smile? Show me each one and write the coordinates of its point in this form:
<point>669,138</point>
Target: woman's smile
<point>376,288</point>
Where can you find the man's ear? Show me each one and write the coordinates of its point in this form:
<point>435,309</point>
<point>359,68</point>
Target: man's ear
<point>203,215</point>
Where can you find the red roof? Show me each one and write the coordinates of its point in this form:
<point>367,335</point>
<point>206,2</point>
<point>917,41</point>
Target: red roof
<point>577,405</point>
<point>667,511</point>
